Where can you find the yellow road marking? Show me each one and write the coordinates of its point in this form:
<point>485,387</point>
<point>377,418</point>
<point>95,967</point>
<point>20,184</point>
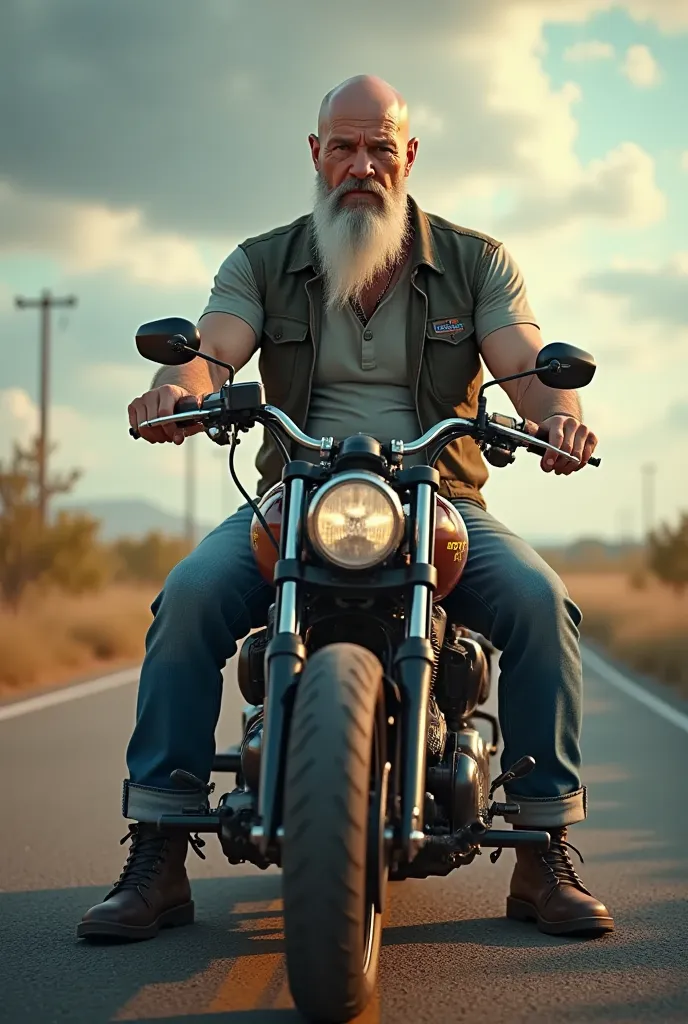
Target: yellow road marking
<point>247,981</point>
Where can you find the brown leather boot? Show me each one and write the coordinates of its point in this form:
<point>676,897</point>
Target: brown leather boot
<point>152,892</point>
<point>546,889</point>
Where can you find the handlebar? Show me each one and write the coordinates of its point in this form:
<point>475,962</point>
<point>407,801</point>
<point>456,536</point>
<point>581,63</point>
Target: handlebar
<point>447,430</point>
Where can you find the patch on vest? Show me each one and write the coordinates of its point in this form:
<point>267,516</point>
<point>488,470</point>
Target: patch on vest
<point>452,325</point>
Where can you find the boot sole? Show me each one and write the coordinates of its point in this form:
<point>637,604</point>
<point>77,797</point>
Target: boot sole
<point>519,910</point>
<point>172,918</point>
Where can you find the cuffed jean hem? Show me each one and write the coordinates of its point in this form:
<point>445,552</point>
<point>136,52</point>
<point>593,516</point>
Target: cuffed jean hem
<point>147,803</point>
<point>549,811</point>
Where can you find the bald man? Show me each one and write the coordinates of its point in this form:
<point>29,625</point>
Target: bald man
<point>370,316</point>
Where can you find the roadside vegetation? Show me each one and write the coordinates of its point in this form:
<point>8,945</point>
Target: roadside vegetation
<point>635,602</point>
<point>71,605</point>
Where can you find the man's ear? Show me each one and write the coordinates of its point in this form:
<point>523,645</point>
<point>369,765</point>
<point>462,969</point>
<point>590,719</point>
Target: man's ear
<point>314,143</point>
<point>411,152</point>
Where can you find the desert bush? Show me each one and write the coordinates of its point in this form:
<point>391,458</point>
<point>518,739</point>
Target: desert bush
<point>63,552</point>
<point>668,554</point>
<point>55,636</point>
<point>149,559</point>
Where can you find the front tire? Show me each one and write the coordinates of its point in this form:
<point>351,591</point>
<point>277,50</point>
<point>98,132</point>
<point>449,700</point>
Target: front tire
<point>335,757</point>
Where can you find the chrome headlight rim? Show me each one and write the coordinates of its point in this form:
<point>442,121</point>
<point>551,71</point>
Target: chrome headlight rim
<point>360,476</point>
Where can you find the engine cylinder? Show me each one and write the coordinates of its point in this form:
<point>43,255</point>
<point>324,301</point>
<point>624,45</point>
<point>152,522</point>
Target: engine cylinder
<point>462,677</point>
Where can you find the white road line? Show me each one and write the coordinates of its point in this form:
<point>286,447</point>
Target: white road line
<point>612,675</point>
<point>590,658</point>
<point>48,700</point>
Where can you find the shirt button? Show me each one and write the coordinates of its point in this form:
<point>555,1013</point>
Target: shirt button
<point>368,336</point>
<point>277,335</point>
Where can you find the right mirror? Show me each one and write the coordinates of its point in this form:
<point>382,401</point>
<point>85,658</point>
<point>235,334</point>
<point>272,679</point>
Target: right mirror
<point>564,366</point>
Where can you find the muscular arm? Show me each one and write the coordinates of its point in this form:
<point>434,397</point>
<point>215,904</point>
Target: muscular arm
<point>510,340</point>
<point>514,349</point>
<point>223,336</point>
<point>229,327</point>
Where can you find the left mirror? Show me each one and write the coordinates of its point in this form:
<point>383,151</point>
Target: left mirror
<point>154,340</point>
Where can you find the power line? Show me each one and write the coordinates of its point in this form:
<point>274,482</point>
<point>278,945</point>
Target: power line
<point>46,303</point>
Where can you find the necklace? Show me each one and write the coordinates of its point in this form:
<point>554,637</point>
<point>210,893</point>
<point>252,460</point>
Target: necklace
<point>358,308</point>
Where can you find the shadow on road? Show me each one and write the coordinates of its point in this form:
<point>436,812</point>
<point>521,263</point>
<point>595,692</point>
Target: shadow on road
<point>230,969</point>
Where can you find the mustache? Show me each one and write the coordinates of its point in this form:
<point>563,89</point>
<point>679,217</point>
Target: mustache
<point>357,185</point>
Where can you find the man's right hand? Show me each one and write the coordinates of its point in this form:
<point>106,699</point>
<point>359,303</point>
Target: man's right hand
<point>161,402</point>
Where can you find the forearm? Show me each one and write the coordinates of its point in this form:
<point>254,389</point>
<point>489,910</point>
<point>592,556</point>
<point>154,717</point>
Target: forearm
<point>195,377</point>
<point>534,401</point>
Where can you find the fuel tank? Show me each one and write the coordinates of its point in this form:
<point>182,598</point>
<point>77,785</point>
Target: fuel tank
<point>451,540</point>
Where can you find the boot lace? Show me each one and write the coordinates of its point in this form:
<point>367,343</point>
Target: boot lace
<point>146,855</point>
<point>558,862</point>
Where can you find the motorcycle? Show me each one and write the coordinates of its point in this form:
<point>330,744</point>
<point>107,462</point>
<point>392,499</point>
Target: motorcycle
<point>361,760</point>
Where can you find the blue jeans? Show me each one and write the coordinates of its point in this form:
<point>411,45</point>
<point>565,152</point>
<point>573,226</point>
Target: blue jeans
<point>216,595</point>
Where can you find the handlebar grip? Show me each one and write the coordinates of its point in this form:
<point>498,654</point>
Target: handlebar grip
<point>594,461</point>
<point>134,433</point>
<point>187,403</point>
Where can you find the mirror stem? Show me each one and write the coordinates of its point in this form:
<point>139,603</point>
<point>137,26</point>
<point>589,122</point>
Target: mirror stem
<point>179,343</point>
<point>552,367</point>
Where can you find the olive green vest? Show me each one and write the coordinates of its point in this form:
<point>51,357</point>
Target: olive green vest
<point>443,359</point>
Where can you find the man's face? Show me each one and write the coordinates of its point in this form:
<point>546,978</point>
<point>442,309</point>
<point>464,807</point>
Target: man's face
<point>357,142</point>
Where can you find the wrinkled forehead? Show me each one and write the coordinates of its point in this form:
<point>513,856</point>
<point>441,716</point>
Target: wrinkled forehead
<point>351,115</point>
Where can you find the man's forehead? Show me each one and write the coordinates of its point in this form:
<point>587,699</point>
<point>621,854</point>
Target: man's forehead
<point>380,126</point>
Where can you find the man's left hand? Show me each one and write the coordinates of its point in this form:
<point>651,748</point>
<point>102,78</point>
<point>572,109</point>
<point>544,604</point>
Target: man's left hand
<point>569,434</point>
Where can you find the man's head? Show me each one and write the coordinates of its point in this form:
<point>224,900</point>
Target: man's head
<point>362,156</point>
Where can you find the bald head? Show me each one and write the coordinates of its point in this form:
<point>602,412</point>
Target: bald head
<point>364,98</point>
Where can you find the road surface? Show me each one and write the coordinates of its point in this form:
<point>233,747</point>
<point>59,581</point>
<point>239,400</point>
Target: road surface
<point>449,954</point>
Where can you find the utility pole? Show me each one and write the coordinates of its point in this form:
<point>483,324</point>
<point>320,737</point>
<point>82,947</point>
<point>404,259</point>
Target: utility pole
<point>190,488</point>
<point>648,482</point>
<point>46,303</point>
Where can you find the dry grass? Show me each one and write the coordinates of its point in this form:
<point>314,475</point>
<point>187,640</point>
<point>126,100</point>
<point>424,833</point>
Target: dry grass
<point>645,626</point>
<point>56,637</point>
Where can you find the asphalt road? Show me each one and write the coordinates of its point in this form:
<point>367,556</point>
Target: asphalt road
<point>449,954</point>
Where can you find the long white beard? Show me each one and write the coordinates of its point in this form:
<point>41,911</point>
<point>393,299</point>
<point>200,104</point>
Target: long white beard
<point>356,243</point>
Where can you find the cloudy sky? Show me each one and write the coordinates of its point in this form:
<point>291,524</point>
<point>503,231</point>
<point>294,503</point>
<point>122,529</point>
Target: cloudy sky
<point>142,141</point>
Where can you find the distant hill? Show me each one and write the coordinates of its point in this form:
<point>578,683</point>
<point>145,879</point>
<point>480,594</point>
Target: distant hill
<point>133,518</point>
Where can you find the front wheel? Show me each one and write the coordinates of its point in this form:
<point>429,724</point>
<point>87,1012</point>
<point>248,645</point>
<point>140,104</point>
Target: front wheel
<point>333,845</point>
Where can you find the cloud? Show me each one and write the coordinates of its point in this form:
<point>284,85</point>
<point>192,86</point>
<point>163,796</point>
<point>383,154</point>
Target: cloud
<point>19,420</point>
<point>592,49</point>
<point>89,237</point>
<point>668,15</point>
<point>620,189</point>
<point>640,67</point>
<point>117,116</point>
<point>656,294</point>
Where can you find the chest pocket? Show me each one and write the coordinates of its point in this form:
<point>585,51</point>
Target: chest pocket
<point>451,357</point>
<point>280,345</point>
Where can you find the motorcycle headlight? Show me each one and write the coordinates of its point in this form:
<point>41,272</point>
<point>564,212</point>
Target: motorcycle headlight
<point>355,521</point>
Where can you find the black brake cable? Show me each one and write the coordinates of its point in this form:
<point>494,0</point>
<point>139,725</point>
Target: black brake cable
<point>244,493</point>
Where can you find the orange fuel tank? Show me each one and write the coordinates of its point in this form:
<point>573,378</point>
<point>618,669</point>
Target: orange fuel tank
<point>451,540</point>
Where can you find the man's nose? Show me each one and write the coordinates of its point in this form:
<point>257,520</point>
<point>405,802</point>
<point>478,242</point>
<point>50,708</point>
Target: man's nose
<point>362,167</point>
